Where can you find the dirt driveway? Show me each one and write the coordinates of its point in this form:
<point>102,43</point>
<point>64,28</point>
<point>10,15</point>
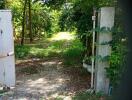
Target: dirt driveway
<point>46,80</point>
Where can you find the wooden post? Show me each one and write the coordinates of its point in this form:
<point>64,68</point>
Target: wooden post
<point>105,19</point>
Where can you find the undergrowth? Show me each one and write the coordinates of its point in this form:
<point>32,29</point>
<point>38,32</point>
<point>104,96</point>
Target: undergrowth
<point>69,50</point>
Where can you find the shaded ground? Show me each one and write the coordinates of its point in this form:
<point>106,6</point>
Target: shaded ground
<point>41,76</point>
<point>54,79</point>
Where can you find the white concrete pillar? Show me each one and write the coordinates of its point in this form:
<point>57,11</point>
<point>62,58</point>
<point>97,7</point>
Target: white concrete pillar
<point>105,19</point>
<point>7,59</point>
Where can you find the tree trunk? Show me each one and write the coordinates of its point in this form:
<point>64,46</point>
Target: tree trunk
<point>23,23</point>
<point>30,22</point>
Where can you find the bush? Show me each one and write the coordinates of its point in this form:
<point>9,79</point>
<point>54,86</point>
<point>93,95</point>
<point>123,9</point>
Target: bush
<point>117,59</point>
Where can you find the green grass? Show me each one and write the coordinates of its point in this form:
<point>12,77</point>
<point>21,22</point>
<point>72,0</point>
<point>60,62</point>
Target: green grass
<point>58,98</point>
<point>21,52</point>
<point>2,92</point>
<point>69,50</point>
<point>73,54</point>
<point>88,96</point>
<point>30,51</point>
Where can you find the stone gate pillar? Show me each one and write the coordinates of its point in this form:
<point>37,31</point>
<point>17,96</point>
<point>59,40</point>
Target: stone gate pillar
<point>105,19</point>
<point>7,57</point>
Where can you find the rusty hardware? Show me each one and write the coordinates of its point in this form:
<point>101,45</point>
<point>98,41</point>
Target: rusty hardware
<point>1,32</point>
<point>6,55</point>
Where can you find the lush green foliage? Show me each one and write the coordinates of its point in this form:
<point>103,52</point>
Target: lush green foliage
<point>55,4</point>
<point>87,96</point>
<point>17,8</point>
<point>76,15</point>
<point>65,21</point>
<point>41,20</point>
<point>55,15</point>
<point>69,50</point>
<point>119,51</point>
<point>2,4</point>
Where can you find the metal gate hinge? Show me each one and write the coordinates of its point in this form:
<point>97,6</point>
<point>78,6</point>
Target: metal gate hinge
<point>6,55</point>
<point>1,32</point>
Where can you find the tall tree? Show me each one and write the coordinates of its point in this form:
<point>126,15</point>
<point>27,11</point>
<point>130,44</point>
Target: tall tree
<point>23,23</point>
<point>30,21</point>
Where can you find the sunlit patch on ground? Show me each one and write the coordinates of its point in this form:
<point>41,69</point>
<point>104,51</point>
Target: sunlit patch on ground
<point>63,36</point>
<point>53,82</point>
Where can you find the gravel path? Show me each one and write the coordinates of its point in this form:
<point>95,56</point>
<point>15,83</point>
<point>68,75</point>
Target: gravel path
<point>49,81</point>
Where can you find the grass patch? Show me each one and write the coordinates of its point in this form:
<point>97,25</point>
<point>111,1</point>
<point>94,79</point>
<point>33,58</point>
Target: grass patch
<point>88,96</point>
<point>22,52</point>
<point>35,51</point>
<point>2,92</point>
<point>58,98</point>
<point>73,54</point>
<point>69,50</point>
